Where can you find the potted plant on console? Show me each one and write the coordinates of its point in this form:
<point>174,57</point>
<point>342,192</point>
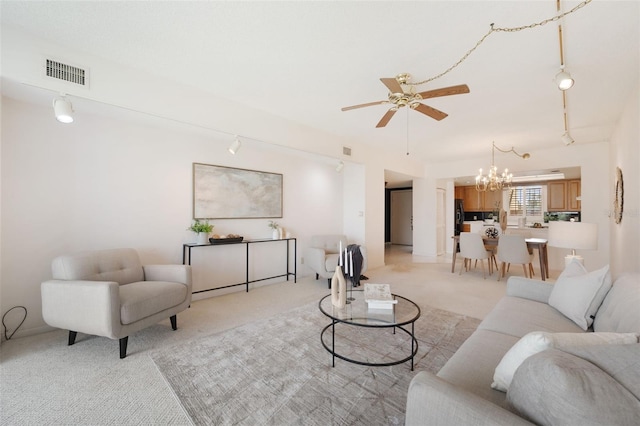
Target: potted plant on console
<point>275,234</point>
<point>202,229</point>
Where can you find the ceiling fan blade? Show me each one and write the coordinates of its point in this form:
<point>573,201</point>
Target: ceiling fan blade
<point>363,105</point>
<point>431,112</point>
<point>445,91</point>
<point>392,84</point>
<point>385,118</point>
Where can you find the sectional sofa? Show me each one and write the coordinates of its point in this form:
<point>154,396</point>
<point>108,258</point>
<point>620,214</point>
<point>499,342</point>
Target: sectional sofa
<point>547,354</point>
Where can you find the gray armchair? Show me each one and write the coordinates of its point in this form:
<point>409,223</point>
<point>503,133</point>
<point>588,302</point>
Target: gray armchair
<point>322,255</point>
<point>110,293</point>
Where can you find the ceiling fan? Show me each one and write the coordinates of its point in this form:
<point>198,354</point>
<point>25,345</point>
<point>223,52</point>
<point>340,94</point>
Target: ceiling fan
<point>399,98</point>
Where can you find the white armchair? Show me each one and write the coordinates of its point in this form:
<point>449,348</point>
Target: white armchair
<point>322,255</point>
<point>110,293</point>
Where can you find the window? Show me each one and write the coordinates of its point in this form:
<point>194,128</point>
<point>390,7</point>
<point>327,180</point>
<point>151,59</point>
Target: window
<point>525,201</point>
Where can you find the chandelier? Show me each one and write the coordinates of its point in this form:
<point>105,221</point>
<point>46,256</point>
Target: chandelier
<point>492,181</point>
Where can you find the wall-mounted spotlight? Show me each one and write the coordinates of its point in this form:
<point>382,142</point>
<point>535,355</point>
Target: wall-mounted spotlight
<point>567,139</point>
<point>339,167</point>
<point>63,110</point>
<point>564,80</point>
<point>235,146</point>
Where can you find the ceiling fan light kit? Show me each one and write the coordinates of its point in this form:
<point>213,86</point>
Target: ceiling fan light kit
<point>399,98</point>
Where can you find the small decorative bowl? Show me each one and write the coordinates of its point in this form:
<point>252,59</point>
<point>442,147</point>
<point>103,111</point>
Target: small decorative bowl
<point>491,232</point>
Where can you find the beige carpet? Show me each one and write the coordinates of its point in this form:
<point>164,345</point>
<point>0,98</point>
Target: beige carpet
<point>276,372</point>
<point>43,381</point>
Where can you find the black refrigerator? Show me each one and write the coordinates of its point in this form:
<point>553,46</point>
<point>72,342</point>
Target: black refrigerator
<point>459,219</point>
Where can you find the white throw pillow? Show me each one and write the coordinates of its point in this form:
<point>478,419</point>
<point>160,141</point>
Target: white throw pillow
<point>578,294</point>
<point>538,341</point>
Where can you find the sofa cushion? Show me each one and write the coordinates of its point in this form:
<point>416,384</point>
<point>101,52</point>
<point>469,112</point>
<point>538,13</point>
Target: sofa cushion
<point>619,311</point>
<point>471,367</point>
<point>145,298</point>
<point>558,388</point>
<point>578,294</point>
<point>517,317</point>
<point>622,362</point>
<point>538,341</point>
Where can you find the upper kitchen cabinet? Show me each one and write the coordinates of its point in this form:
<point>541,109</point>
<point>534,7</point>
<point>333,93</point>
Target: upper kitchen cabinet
<point>459,192</point>
<point>472,200</point>
<point>563,195</point>
<point>573,195</point>
<point>476,201</point>
<point>492,201</point>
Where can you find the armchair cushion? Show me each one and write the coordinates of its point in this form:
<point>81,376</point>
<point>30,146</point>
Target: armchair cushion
<point>147,298</point>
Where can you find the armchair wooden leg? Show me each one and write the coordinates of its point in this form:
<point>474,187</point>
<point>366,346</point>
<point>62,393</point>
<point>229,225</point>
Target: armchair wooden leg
<point>72,337</point>
<point>329,283</point>
<point>174,322</point>
<point>317,276</point>
<point>123,347</point>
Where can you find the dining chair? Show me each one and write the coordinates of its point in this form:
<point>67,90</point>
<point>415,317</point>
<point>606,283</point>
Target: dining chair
<point>513,249</point>
<point>472,248</point>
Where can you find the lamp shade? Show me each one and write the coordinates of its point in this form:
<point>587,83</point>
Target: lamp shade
<point>573,235</point>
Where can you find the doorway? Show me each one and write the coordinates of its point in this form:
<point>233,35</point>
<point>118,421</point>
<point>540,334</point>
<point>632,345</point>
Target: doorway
<point>401,217</point>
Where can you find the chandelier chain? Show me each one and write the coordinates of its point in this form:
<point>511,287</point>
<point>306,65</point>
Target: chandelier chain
<point>499,29</point>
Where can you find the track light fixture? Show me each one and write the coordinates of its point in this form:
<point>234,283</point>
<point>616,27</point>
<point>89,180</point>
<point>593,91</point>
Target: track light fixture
<point>564,80</point>
<point>567,139</point>
<point>339,167</point>
<point>63,110</point>
<point>235,146</point>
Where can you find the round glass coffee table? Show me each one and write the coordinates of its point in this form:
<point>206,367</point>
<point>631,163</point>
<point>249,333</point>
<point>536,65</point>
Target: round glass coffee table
<point>357,314</point>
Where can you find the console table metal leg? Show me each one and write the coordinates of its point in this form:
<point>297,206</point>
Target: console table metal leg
<point>287,243</point>
<point>247,270</point>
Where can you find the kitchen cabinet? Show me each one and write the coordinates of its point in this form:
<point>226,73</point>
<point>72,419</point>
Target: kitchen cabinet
<point>473,200</point>
<point>557,196</point>
<point>563,195</point>
<point>491,198</point>
<point>573,195</point>
<point>459,192</point>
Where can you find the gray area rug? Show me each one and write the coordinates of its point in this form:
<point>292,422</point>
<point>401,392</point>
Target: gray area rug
<point>276,371</point>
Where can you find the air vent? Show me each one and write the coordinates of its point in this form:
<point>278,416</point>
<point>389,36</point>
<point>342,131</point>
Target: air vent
<point>346,150</point>
<point>66,72</point>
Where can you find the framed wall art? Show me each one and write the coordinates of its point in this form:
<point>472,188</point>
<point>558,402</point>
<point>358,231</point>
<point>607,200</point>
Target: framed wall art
<point>229,193</point>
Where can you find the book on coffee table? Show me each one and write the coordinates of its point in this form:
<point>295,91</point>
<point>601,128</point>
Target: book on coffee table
<point>378,296</point>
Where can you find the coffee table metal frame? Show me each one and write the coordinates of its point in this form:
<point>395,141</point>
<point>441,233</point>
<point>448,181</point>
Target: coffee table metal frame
<point>371,322</point>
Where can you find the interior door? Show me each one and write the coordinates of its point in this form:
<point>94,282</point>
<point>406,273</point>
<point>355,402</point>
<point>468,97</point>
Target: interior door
<point>402,217</point>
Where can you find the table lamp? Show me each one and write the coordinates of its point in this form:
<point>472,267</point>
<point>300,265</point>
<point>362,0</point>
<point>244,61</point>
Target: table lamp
<point>574,236</point>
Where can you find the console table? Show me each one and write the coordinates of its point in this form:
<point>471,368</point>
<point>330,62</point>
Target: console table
<point>186,260</point>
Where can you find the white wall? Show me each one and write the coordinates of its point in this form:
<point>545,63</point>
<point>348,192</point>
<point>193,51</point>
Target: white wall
<point>625,153</point>
<point>105,183</point>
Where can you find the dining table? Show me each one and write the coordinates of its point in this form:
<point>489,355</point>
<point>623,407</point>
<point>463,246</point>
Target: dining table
<point>539,244</point>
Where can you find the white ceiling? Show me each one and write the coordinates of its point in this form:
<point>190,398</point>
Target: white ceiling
<point>305,60</point>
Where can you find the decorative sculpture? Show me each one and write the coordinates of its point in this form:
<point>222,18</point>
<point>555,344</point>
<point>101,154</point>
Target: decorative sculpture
<point>503,220</point>
<point>338,289</point>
